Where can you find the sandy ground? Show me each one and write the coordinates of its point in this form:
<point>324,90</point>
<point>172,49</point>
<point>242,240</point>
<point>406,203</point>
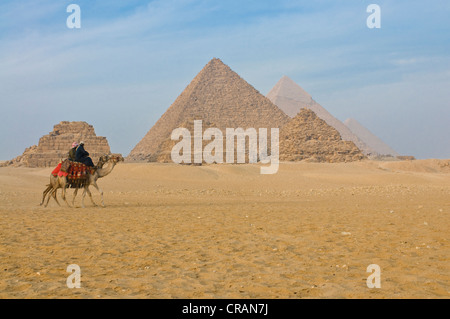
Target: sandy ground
<point>225,231</point>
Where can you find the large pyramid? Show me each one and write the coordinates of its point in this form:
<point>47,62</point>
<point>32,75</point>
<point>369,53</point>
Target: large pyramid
<point>220,98</point>
<point>291,98</point>
<point>56,145</point>
<point>307,137</point>
<point>369,138</point>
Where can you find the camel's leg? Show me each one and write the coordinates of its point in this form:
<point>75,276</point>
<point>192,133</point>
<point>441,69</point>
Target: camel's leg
<point>82,198</point>
<point>55,192</point>
<point>64,195</point>
<point>48,198</point>
<point>90,195</point>
<point>52,193</point>
<point>49,187</point>
<point>45,193</point>
<point>100,191</point>
<point>74,195</point>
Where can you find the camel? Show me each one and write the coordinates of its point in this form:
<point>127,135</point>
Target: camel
<point>57,182</point>
<point>55,185</point>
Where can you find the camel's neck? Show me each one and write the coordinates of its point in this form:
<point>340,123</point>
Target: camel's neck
<point>102,172</point>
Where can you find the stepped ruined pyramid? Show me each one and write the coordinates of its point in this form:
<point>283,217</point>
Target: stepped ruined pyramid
<point>369,138</point>
<point>220,98</point>
<point>56,145</point>
<point>291,98</point>
<point>308,137</point>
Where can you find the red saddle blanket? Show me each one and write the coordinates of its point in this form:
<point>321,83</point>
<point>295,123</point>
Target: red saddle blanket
<point>56,170</point>
<point>74,172</point>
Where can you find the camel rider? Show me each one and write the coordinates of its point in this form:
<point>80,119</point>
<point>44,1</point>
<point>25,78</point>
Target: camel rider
<point>82,156</point>
<point>73,151</point>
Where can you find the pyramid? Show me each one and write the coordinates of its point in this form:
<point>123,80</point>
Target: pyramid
<point>369,138</point>
<point>56,145</point>
<point>308,137</point>
<point>291,98</point>
<point>217,95</point>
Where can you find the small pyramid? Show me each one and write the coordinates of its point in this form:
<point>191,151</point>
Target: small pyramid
<point>308,137</point>
<point>369,138</point>
<point>291,98</point>
<point>56,145</point>
<point>216,95</point>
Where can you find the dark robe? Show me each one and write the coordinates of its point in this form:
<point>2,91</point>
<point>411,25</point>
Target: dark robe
<point>83,157</point>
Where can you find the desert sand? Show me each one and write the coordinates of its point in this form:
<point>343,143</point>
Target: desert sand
<point>225,231</point>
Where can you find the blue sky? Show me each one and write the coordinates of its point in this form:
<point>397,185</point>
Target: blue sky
<point>131,59</point>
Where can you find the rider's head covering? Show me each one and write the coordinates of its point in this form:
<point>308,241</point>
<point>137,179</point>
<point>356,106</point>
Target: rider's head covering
<point>74,144</point>
<point>82,143</point>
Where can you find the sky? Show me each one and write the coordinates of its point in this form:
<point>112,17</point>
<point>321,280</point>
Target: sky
<point>131,59</point>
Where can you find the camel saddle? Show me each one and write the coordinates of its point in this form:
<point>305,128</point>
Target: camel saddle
<point>76,173</point>
<point>79,171</point>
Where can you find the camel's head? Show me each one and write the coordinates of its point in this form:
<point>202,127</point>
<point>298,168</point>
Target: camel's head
<point>102,160</point>
<point>113,158</point>
<point>116,158</point>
